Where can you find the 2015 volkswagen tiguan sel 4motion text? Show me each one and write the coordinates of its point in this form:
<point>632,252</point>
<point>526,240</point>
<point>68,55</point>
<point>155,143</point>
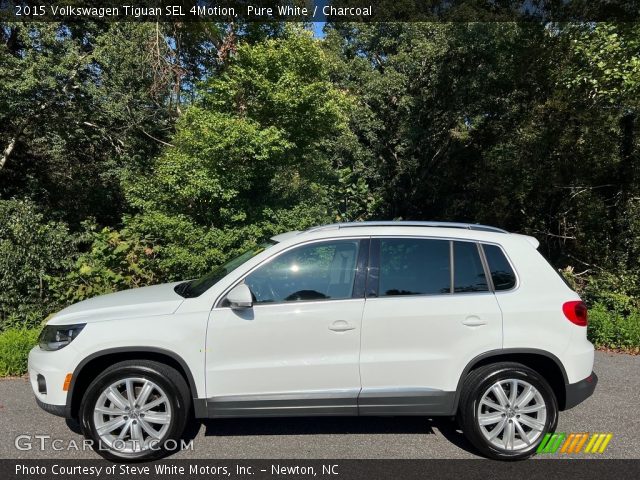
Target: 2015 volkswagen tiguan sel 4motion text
<point>372,318</point>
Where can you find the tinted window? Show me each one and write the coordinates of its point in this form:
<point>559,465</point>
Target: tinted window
<point>501,272</point>
<point>195,288</point>
<point>320,271</point>
<point>414,267</point>
<point>468,273</point>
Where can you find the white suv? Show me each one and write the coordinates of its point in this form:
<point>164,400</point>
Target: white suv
<point>371,318</point>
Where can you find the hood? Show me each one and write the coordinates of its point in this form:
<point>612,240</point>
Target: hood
<point>137,302</point>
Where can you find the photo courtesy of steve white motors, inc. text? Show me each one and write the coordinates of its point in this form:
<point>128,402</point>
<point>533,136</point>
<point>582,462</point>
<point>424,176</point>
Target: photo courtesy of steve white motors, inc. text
<point>193,469</point>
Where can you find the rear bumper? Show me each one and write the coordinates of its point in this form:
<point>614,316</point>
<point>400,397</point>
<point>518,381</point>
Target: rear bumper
<point>578,392</point>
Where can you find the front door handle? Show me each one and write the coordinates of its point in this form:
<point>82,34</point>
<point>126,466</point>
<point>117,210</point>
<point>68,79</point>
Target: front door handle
<point>474,321</point>
<point>341,326</point>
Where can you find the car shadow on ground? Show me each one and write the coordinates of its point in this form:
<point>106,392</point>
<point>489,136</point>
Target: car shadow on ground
<point>232,427</point>
<point>446,427</point>
<point>73,425</point>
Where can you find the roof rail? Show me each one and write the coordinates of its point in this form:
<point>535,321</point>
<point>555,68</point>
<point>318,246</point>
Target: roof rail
<point>402,223</point>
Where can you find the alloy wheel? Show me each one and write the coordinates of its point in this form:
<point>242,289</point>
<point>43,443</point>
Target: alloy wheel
<point>512,414</point>
<point>132,414</point>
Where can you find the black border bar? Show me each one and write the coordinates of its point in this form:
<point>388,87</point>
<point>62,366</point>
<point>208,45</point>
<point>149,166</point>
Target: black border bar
<point>321,10</point>
<point>542,467</point>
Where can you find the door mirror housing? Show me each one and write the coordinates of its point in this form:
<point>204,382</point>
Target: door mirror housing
<point>240,297</point>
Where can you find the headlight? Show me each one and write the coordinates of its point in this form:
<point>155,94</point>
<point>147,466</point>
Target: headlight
<point>55,337</point>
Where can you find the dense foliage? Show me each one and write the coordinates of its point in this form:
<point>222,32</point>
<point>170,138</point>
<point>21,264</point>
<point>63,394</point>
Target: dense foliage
<point>137,153</point>
<point>249,157</point>
<point>31,252</point>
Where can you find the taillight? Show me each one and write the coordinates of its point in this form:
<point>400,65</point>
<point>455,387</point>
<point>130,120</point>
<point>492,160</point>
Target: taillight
<point>576,312</point>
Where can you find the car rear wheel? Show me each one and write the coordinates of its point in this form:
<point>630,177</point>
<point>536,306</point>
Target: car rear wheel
<point>506,409</point>
<point>135,410</point>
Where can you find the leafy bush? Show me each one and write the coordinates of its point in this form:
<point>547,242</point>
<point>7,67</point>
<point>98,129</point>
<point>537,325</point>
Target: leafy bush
<point>113,260</point>
<point>614,308</point>
<point>31,251</point>
<point>609,329</point>
<point>149,249</point>
<point>618,293</point>
<point>15,344</point>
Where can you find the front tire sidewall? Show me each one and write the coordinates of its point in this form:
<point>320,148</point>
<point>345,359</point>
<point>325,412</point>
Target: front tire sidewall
<point>93,393</point>
<point>474,432</point>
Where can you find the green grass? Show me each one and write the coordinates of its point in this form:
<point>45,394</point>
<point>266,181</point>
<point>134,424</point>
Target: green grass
<point>15,344</point>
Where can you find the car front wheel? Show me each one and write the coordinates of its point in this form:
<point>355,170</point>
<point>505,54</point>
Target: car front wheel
<point>135,410</point>
<point>506,409</point>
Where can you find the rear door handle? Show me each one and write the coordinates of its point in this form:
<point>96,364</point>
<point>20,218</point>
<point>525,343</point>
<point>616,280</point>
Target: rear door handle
<point>474,322</point>
<point>341,326</point>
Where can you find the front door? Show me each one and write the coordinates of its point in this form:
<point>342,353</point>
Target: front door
<point>296,351</point>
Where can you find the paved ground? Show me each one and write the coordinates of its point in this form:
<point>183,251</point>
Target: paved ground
<point>613,408</point>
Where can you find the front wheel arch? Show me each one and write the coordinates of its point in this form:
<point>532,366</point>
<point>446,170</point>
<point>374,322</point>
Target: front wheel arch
<point>85,372</point>
<point>171,391</point>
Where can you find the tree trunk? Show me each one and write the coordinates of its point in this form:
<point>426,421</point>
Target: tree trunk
<point>626,183</point>
<point>7,151</point>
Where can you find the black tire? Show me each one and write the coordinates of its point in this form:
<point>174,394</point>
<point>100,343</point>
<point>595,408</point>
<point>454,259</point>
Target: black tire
<point>478,382</point>
<point>168,379</point>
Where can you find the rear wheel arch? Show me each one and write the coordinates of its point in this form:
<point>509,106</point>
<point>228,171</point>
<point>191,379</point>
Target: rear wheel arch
<point>543,362</point>
<point>484,415</point>
<point>97,362</point>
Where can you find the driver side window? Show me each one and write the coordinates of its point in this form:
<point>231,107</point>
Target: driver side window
<point>319,271</point>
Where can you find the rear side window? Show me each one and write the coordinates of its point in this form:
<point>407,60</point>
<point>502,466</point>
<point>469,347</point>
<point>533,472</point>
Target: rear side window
<point>468,272</point>
<point>503,276</point>
<point>412,266</point>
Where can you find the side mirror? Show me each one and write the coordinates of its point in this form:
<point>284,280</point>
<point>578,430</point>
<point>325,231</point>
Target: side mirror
<point>240,297</point>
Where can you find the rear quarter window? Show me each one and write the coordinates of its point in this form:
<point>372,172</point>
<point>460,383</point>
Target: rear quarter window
<point>502,275</point>
<point>468,271</point>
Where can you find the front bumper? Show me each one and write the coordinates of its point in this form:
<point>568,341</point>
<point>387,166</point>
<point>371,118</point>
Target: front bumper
<point>57,410</point>
<point>578,392</point>
<point>47,373</point>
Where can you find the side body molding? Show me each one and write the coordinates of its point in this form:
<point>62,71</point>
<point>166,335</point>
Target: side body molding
<point>364,402</point>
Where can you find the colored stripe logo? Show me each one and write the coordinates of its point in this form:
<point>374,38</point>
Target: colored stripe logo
<point>574,443</point>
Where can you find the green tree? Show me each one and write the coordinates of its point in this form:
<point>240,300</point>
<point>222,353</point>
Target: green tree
<point>251,157</point>
<point>606,72</point>
<point>525,126</point>
<point>77,103</point>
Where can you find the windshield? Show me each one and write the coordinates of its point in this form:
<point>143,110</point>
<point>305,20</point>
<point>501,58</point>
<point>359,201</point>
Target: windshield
<point>195,288</point>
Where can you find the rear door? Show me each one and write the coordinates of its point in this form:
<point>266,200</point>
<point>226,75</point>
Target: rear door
<point>429,311</point>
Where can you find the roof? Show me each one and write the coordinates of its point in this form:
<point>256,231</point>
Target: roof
<point>348,225</point>
<point>467,226</point>
<point>471,231</point>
